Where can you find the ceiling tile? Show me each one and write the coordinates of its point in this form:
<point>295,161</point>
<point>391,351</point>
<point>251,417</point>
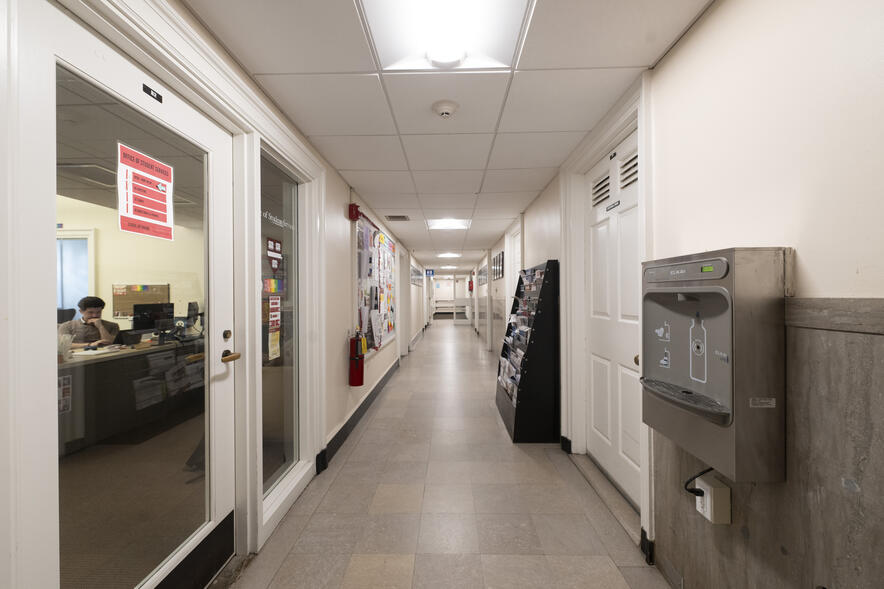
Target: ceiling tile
<point>379,182</point>
<point>413,233</point>
<point>505,200</point>
<point>523,180</point>
<point>361,152</point>
<point>581,98</point>
<point>488,227</point>
<point>448,240</point>
<point>448,213</point>
<point>533,150</point>
<point>385,200</point>
<point>297,36</point>
<point>479,94</point>
<point>508,212</point>
<point>443,201</point>
<point>448,182</point>
<point>333,104</point>
<point>599,33</point>
<point>447,152</point>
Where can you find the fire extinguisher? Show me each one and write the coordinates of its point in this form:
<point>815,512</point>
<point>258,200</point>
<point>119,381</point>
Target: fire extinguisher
<point>471,285</point>
<point>357,360</point>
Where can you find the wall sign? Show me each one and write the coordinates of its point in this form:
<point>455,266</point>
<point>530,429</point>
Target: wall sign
<point>273,326</point>
<point>144,194</point>
<point>430,273</point>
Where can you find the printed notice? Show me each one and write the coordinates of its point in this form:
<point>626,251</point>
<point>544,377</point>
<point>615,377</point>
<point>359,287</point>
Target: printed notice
<point>65,393</point>
<point>274,327</point>
<point>144,194</point>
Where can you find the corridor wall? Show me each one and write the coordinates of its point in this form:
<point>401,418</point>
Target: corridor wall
<point>767,130</point>
<point>543,227</point>
<point>499,300</point>
<point>418,298</point>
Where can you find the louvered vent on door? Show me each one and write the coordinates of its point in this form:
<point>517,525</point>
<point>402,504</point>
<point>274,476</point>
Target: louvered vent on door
<point>628,171</point>
<point>601,190</point>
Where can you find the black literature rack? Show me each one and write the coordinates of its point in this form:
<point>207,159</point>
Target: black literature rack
<point>528,371</point>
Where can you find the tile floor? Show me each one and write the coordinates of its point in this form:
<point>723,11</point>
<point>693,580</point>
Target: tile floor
<point>429,492</point>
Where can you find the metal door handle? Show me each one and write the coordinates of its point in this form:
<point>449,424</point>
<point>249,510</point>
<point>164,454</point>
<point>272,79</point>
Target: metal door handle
<point>635,359</point>
<point>228,356</point>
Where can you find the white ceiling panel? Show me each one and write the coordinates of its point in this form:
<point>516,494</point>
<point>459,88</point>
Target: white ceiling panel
<point>447,152</point>
<point>448,213</point>
<point>333,104</point>
<point>580,99</point>
<point>443,201</point>
<point>448,240</point>
<point>508,212</point>
<point>488,227</point>
<point>479,94</point>
<point>361,152</point>
<point>296,36</point>
<point>448,182</point>
<point>379,182</point>
<point>525,180</point>
<point>600,33</point>
<point>413,233</point>
<point>501,200</point>
<point>533,150</point>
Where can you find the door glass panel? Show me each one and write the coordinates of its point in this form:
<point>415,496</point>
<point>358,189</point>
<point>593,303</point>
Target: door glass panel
<point>279,321</point>
<point>73,272</point>
<point>132,427</point>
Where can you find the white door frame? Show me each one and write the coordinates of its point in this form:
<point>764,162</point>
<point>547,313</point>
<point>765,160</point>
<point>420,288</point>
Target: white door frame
<point>630,113</point>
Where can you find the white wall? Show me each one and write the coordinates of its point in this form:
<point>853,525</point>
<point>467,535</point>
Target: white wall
<point>418,296</point>
<point>542,230</point>
<point>127,258</point>
<point>500,302</point>
<point>767,130</point>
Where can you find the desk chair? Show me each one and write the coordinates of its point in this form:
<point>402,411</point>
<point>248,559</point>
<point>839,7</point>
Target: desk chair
<point>65,315</point>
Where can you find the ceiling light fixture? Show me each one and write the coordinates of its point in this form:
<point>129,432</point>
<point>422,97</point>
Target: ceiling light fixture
<point>448,224</point>
<point>448,267</point>
<point>448,255</point>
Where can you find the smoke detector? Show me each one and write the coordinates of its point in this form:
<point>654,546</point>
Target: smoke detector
<point>445,108</point>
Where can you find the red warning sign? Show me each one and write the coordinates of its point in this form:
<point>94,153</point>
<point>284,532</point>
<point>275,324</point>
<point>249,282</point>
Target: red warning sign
<point>144,194</point>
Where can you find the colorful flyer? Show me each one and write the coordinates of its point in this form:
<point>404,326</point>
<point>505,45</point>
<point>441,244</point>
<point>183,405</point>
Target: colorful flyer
<point>273,327</point>
<point>144,194</point>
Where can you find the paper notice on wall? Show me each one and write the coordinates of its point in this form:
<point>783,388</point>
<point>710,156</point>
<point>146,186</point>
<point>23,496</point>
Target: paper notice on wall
<point>65,393</point>
<point>273,327</point>
<point>375,319</point>
<point>144,194</point>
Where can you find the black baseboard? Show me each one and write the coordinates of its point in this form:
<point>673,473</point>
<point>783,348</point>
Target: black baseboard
<point>203,563</point>
<point>566,444</point>
<point>321,461</point>
<point>647,547</point>
<point>339,438</point>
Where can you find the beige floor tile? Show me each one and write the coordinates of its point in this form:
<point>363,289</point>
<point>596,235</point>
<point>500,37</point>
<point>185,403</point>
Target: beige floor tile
<point>376,571</point>
<point>499,499</point>
<point>448,533</point>
<point>347,498</point>
<point>585,572</point>
<point>331,533</point>
<point>550,499</point>
<point>448,499</point>
<point>311,571</point>
<point>567,534</point>
<point>396,498</point>
<point>389,534</point>
<point>410,452</point>
<point>507,533</point>
<point>448,473</point>
<point>403,472</point>
<point>645,577</point>
<point>448,571</point>
<point>507,571</point>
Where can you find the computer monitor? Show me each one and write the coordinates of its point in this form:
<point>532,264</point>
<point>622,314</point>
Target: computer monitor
<point>149,317</point>
<point>193,312</point>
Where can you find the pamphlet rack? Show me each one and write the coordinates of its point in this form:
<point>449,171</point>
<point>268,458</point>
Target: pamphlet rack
<point>528,371</point>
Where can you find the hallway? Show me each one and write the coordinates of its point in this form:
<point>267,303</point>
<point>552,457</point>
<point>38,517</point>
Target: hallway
<point>428,491</point>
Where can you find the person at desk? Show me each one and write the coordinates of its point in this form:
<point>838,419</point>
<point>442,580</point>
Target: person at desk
<point>90,329</point>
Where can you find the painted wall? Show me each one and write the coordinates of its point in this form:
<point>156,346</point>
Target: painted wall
<point>482,306</point>
<point>340,289</point>
<point>417,299</point>
<point>768,130</point>
<point>542,231</point>
<point>126,258</point>
<point>499,300</point>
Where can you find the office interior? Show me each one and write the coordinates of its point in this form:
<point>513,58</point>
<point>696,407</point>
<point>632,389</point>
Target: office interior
<point>280,409</point>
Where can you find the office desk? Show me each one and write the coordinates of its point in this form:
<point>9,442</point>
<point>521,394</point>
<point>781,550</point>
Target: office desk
<point>128,395</point>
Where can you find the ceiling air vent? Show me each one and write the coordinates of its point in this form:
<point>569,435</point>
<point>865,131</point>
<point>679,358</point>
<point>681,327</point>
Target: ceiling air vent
<point>629,171</point>
<point>601,190</point>
<point>397,218</point>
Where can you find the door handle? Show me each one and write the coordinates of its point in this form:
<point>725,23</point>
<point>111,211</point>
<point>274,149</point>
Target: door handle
<point>228,356</point>
<point>635,359</point>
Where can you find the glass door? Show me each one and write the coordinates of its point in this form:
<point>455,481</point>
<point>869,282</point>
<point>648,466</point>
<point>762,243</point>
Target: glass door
<point>145,367</point>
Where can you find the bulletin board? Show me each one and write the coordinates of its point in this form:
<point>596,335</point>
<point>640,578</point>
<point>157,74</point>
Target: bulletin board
<point>375,284</point>
<point>127,295</point>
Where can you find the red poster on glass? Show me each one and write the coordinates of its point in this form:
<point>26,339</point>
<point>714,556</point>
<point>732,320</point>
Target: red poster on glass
<point>144,194</point>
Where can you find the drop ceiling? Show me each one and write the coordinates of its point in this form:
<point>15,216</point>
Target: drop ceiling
<point>353,76</point>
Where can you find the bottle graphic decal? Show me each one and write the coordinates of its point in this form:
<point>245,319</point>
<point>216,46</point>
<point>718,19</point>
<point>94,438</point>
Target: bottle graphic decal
<point>698,351</point>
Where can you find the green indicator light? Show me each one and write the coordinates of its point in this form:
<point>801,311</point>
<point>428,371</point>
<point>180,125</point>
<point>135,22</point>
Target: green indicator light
<point>707,268</point>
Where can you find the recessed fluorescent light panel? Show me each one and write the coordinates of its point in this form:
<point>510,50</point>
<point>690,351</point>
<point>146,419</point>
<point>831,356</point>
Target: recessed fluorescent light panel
<point>452,34</point>
<point>448,255</point>
<point>448,223</point>
<point>448,267</point>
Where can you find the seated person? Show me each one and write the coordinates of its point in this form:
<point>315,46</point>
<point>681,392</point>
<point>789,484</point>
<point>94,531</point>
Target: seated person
<point>90,329</point>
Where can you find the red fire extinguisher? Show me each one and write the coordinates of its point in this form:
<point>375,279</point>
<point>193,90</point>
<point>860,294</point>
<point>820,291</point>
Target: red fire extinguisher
<point>471,285</point>
<point>357,360</point>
